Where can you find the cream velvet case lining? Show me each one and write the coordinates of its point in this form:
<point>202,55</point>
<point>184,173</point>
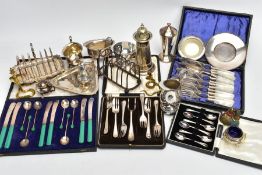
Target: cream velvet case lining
<point>248,152</point>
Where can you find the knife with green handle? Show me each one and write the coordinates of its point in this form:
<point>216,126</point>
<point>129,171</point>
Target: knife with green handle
<point>90,112</point>
<point>82,121</point>
<point>51,123</point>
<point>8,115</point>
<point>11,127</point>
<point>43,128</point>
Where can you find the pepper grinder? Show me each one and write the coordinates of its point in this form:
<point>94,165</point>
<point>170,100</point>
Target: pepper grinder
<point>143,55</point>
<point>168,36</point>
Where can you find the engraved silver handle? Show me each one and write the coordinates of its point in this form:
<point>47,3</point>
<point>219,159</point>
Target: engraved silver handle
<point>131,136</point>
<point>148,132</point>
<point>115,132</point>
<point>106,122</point>
<point>142,100</point>
<point>123,109</point>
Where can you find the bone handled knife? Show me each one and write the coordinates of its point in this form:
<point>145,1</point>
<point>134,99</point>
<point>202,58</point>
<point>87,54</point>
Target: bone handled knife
<point>43,128</point>
<point>11,127</point>
<point>82,121</point>
<point>90,113</point>
<point>7,117</point>
<point>51,123</point>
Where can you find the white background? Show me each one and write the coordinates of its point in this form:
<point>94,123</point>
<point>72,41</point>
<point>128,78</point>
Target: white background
<point>49,23</point>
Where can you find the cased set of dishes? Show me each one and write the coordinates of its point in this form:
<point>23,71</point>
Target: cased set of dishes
<point>122,130</point>
<point>203,128</point>
<point>224,51</point>
<point>28,123</point>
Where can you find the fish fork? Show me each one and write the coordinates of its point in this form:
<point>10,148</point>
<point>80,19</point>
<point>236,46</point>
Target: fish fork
<point>148,110</point>
<point>142,119</point>
<point>157,126</point>
<point>123,127</point>
<point>108,107</point>
<point>115,109</point>
<point>131,136</point>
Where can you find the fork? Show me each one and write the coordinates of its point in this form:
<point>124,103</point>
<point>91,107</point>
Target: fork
<point>115,109</point>
<point>123,127</point>
<point>131,136</point>
<point>157,126</point>
<point>108,107</point>
<point>142,119</point>
<point>148,110</point>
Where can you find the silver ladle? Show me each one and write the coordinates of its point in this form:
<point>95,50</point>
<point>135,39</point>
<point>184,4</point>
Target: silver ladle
<point>206,139</point>
<point>182,137</point>
<point>65,139</point>
<point>207,127</point>
<point>185,125</point>
<point>25,142</point>
<point>191,116</point>
<point>37,106</point>
<point>208,116</point>
<point>27,106</point>
<point>74,104</point>
<point>65,105</point>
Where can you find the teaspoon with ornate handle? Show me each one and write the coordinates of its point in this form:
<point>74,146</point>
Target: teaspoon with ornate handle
<point>210,128</point>
<point>208,116</point>
<point>182,137</point>
<point>206,139</point>
<point>189,115</point>
<point>185,125</point>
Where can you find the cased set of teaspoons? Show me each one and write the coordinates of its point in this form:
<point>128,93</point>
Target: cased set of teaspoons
<point>195,127</point>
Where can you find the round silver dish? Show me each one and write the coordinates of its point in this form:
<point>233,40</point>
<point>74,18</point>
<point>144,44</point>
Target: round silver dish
<point>125,49</point>
<point>226,51</point>
<point>191,47</point>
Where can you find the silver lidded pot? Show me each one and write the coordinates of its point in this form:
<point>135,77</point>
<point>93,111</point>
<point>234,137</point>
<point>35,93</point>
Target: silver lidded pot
<point>168,36</point>
<point>143,55</point>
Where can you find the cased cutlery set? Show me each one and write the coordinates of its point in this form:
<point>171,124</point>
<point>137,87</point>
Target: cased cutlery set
<point>133,121</point>
<point>52,104</point>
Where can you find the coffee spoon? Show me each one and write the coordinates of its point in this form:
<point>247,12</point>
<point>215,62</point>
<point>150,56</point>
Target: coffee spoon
<point>191,116</point>
<point>207,127</point>
<point>25,142</point>
<point>206,139</point>
<point>208,116</point>
<point>27,106</point>
<point>65,139</point>
<point>65,105</point>
<point>37,106</point>
<point>185,125</point>
<point>74,104</point>
<point>182,137</point>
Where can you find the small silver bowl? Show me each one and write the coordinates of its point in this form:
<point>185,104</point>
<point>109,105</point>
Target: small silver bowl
<point>191,47</point>
<point>125,49</point>
<point>99,47</point>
